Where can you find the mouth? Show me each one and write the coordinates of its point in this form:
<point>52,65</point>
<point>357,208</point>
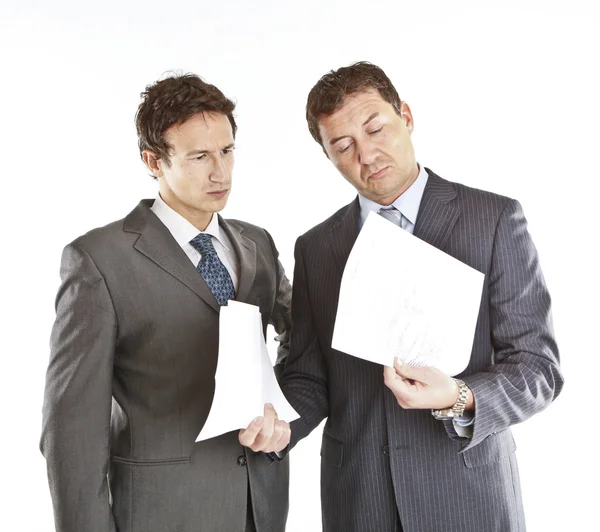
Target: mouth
<point>218,194</point>
<point>379,174</point>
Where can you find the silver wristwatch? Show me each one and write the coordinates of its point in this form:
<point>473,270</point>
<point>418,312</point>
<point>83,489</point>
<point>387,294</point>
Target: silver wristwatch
<point>458,408</point>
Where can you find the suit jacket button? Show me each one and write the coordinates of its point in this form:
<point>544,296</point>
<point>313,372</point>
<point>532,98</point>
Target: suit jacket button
<point>242,461</point>
<point>386,450</point>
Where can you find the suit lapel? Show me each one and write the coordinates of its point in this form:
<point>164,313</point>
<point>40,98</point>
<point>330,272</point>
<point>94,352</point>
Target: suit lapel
<point>245,250</point>
<point>157,244</point>
<point>343,233</point>
<point>438,212</point>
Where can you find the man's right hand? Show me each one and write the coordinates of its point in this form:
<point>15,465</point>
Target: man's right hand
<point>267,434</point>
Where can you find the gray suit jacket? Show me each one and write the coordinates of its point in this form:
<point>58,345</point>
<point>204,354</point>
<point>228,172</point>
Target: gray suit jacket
<point>131,381</point>
<point>379,460</point>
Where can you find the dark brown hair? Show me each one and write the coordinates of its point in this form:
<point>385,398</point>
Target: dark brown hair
<point>172,101</point>
<point>329,93</point>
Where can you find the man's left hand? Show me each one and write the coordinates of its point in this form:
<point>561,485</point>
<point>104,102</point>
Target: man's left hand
<point>267,434</point>
<point>422,387</point>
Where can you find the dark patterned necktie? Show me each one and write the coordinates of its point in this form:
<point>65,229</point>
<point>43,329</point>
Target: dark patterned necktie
<point>213,271</point>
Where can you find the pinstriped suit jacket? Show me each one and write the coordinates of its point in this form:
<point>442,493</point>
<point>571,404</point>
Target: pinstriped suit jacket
<point>381,463</point>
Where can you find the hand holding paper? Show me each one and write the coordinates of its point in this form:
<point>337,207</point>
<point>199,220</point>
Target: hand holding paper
<point>245,383</point>
<point>421,387</point>
<point>267,434</point>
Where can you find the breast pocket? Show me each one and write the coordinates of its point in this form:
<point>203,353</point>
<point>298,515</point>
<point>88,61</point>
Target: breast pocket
<point>494,448</point>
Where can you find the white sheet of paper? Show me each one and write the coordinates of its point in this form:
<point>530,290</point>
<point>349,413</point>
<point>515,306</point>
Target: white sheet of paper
<point>402,297</point>
<point>244,380</point>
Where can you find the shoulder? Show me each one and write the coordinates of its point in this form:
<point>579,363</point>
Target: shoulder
<point>109,239</point>
<point>250,230</point>
<point>98,240</point>
<point>259,235</point>
<point>474,201</point>
<point>321,230</point>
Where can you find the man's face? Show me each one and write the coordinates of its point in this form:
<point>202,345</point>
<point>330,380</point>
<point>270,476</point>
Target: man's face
<point>370,144</point>
<point>197,181</point>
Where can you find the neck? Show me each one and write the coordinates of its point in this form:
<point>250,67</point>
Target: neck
<point>409,182</point>
<point>199,219</point>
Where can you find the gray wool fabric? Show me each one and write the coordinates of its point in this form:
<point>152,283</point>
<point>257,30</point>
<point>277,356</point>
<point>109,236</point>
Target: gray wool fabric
<point>131,380</point>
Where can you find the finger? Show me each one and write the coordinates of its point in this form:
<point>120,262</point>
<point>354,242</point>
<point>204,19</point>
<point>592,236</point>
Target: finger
<point>269,423</point>
<point>248,436</point>
<point>401,388</point>
<point>404,370</point>
<point>277,433</point>
<point>390,375</point>
<point>284,439</point>
<point>263,438</point>
<point>412,373</point>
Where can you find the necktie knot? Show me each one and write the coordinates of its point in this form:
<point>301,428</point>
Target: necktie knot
<point>392,214</point>
<point>203,243</point>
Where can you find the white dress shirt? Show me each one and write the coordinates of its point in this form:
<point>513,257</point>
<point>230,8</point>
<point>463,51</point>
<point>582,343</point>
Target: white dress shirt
<point>183,231</point>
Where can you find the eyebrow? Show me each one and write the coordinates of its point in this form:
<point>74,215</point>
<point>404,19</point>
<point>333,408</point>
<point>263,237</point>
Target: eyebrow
<point>336,139</point>
<point>374,115</point>
<point>200,152</point>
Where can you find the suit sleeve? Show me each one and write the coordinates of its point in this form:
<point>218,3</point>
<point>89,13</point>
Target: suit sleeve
<point>524,377</point>
<point>281,315</point>
<point>78,396</point>
<point>304,380</point>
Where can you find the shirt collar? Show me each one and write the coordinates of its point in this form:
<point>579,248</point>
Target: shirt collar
<point>407,203</point>
<point>181,229</point>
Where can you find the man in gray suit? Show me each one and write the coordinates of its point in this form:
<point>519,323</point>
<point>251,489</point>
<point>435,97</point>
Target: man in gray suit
<point>134,346</point>
<point>388,464</point>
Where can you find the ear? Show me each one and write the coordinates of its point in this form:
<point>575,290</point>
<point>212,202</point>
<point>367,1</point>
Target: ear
<point>406,115</point>
<point>152,163</point>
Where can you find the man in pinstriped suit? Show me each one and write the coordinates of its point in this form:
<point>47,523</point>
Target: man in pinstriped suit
<point>388,464</point>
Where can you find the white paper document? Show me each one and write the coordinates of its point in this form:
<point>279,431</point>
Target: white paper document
<point>244,380</point>
<point>402,297</point>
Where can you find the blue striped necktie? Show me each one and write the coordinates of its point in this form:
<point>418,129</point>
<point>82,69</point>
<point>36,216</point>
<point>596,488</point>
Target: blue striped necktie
<point>213,271</point>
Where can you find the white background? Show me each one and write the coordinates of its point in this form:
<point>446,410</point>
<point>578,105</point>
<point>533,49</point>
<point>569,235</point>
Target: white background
<point>504,98</point>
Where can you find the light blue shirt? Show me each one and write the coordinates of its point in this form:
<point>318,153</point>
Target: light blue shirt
<point>408,204</point>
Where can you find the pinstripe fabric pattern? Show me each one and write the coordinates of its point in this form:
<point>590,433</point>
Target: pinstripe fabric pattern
<point>379,460</point>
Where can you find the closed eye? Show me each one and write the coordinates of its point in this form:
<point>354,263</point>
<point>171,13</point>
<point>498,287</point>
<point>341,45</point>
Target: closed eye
<point>376,131</point>
<point>344,148</point>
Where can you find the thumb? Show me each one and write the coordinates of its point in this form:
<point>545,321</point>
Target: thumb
<point>406,371</point>
<point>401,369</point>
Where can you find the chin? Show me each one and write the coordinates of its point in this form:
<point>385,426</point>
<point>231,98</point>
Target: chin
<point>219,205</point>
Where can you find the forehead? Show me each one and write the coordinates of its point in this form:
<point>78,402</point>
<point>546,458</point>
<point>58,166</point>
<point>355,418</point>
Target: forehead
<point>355,110</point>
<point>203,130</point>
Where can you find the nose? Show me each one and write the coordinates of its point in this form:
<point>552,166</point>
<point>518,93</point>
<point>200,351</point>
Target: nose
<point>367,152</point>
<point>220,170</point>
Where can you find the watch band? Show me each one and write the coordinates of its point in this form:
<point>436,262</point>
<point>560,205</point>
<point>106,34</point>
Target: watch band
<point>459,406</point>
